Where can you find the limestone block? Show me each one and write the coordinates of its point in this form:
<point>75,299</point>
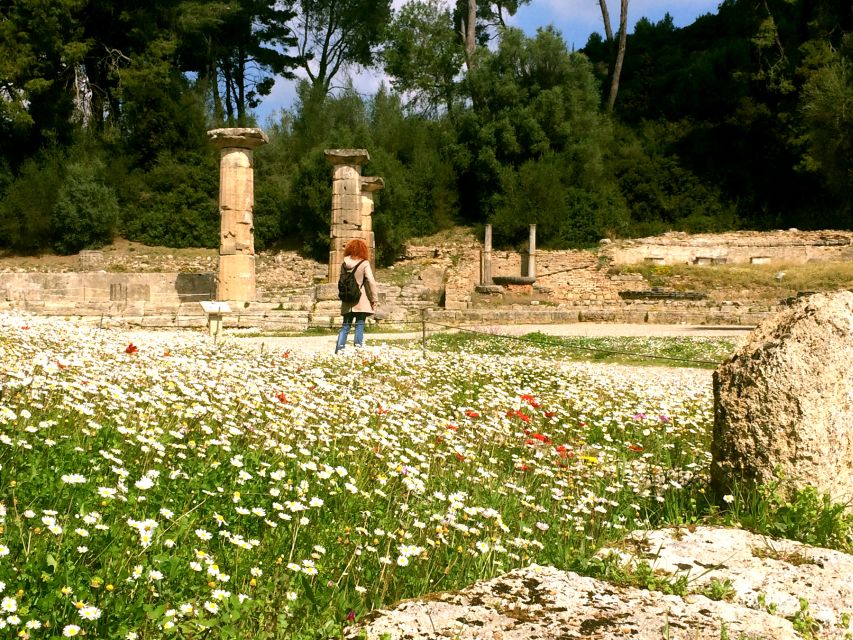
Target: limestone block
<point>338,157</point>
<point>782,571</point>
<point>543,603</point>
<point>347,232</point>
<point>327,292</point>
<point>237,137</point>
<point>784,400</point>
<point>236,279</point>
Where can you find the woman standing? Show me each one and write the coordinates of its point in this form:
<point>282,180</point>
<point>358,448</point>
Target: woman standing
<point>356,252</point>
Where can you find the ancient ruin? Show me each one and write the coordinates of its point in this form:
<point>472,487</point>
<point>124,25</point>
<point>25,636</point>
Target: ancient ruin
<point>346,203</point>
<point>491,282</point>
<point>369,186</point>
<point>236,276</point>
<point>783,403</point>
<point>790,246</point>
<point>442,275</point>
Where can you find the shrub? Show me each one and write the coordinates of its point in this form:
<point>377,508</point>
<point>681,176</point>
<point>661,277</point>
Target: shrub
<point>86,211</point>
<point>25,210</point>
<point>176,203</point>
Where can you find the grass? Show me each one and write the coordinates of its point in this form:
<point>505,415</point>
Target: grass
<point>177,488</point>
<point>659,351</point>
<point>760,281</point>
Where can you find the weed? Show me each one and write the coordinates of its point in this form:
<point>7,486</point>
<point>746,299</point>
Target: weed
<point>640,576</point>
<point>804,515</point>
<point>804,623</point>
<point>719,590</point>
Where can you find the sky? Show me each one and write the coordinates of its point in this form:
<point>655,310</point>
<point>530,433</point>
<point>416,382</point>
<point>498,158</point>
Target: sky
<point>575,19</point>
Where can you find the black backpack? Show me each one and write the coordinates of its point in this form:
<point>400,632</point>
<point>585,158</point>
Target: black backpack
<point>348,289</point>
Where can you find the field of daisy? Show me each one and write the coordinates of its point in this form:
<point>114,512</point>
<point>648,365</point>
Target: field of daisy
<point>176,488</point>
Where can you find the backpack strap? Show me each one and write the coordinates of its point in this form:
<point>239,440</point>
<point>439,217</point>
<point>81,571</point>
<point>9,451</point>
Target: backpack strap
<point>344,266</point>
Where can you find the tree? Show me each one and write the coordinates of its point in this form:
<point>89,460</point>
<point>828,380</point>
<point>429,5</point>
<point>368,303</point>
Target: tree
<point>534,143</point>
<point>423,56</point>
<point>477,23</point>
<point>616,70</point>
<point>237,49</point>
<point>42,48</point>
<point>827,106</point>
<point>333,34</point>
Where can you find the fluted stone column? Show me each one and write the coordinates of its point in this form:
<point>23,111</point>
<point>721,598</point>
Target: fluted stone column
<point>369,186</point>
<point>486,259</point>
<point>530,262</point>
<point>236,279</point>
<point>346,202</point>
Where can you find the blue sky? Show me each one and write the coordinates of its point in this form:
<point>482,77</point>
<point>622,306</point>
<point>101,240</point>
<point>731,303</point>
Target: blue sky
<point>575,19</point>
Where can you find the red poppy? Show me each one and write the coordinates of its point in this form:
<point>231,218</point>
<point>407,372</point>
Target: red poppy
<point>541,437</point>
<point>529,399</point>
<point>472,414</point>
<point>636,447</point>
<point>167,353</point>
<point>131,349</point>
<point>25,327</point>
<point>550,414</point>
<point>381,410</point>
<point>286,354</point>
<point>460,457</point>
<point>452,427</point>
<point>282,398</point>
<point>564,451</point>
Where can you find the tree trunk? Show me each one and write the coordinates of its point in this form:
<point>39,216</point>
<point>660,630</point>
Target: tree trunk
<point>605,15</point>
<point>469,34</point>
<point>620,54</point>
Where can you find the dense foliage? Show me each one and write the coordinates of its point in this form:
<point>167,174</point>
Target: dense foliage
<point>739,120</point>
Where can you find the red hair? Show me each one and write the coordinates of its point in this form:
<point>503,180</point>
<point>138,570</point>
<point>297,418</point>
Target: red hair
<point>357,248</point>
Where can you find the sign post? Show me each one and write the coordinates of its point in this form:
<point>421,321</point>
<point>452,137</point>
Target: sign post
<point>215,309</point>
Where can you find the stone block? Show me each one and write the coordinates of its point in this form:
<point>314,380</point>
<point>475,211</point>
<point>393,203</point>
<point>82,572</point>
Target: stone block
<point>783,403</point>
<point>597,315</point>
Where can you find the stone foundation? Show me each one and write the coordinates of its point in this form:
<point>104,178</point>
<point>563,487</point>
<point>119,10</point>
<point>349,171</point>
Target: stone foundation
<point>743,247</point>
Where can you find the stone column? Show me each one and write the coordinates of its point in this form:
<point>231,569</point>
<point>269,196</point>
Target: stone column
<point>236,279</point>
<point>369,186</point>
<point>530,263</point>
<point>486,260</point>
<point>346,202</point>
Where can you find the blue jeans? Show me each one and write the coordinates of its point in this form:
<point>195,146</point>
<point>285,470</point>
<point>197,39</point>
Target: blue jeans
<point>359,330</point>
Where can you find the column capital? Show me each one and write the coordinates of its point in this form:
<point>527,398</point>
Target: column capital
<point>239,137</point>
<point>355,157</point>
<point>372,183</point>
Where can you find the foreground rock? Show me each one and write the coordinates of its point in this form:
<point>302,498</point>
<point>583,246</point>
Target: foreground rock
<point>794,580</point>
<point>783,403</point>
<point>766,579</point>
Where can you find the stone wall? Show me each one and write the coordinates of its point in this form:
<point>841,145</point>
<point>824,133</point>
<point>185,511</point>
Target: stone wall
<point>568,276</point>
<point>744,247</point>
<point>35,291</point>
<point>461,280</point>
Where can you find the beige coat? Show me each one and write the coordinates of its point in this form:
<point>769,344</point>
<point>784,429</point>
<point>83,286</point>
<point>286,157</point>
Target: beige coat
<point>369,288</point>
